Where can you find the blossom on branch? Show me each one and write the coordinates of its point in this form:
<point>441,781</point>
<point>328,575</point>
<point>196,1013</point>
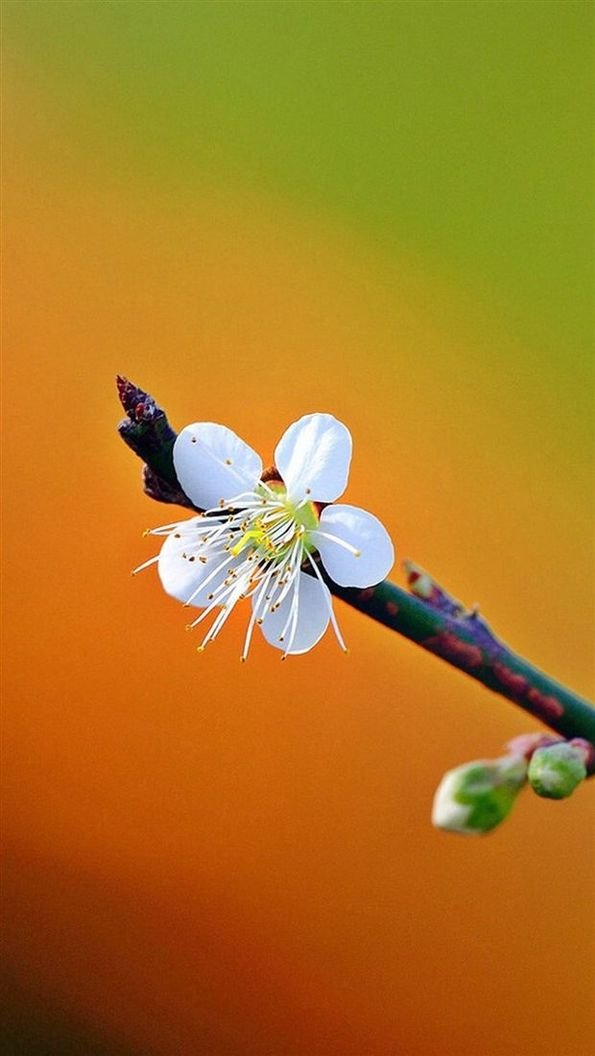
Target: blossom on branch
<point>257,537</point>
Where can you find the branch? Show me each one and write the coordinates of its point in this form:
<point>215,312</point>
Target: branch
<point>426,613</point>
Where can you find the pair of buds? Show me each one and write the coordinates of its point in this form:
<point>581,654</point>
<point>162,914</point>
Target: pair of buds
<point>476,797</point>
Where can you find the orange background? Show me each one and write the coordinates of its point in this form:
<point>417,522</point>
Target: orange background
<point>203,857</point>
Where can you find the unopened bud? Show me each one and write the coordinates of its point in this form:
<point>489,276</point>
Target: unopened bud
<point>555,771</point>
<point>475,797</point>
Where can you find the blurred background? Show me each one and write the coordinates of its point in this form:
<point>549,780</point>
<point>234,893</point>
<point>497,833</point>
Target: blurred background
<point>258,210</point>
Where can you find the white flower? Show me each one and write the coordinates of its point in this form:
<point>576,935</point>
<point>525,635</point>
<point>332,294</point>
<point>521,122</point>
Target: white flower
<point>254,538</point>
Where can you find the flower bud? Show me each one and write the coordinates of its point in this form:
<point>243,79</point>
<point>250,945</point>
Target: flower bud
<point>477,796</point>
<point>556,770</point>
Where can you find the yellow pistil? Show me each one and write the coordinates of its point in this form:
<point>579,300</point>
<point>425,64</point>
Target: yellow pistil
<point>256,535</point>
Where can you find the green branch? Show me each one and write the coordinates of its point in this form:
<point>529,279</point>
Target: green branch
<point>426,613</point>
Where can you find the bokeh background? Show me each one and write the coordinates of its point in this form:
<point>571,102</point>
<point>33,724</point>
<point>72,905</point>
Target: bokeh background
<point>256,210</point>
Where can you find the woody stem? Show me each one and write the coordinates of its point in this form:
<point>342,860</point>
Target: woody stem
<point>425,614</point>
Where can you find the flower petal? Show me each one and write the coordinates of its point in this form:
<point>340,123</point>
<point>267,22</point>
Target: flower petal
<point>360,531</point>
<point>312,620</point>
<point>181,571</point>
<point>313,457</point>
<point>212,464</point>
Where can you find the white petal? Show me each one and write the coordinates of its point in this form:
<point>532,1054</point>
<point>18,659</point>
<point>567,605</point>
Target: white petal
<point>313,457</point>
<point>360,531</point>
<point>312,620</point>
<point>181,572</point>
<point>212,464</point>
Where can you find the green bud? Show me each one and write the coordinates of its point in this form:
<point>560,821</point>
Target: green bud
<point>555,771</point>
<point>475,797</point>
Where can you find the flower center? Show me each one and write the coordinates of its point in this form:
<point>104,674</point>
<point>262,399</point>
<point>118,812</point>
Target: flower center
<point>273,539</point>
<point>277,526</point>
<point>259,537</point>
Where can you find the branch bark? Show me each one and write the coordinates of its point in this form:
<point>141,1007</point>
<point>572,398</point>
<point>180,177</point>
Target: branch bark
<point>426,613</point>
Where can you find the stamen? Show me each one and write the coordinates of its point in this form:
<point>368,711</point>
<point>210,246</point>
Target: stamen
<point>284,584</point>
<point>256,608</point>
<point>270,491</point>
<point>203,583</point>
<point>295,613</point>
<point>329,602</point>
<point>144,565</point>
<point>166,529</point>
<point>335,539</point>
<point>203,615</point>
<point>291,622</point>
<point>220,619</point>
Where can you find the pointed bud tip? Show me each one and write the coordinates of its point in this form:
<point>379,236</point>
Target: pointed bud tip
<point>137,403</point>
<point>125,388</point>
